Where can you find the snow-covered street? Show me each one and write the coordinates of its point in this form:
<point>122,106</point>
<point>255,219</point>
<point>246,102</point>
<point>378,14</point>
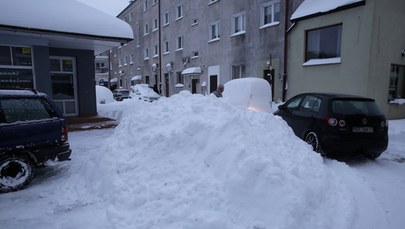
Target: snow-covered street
<point>197,162</point>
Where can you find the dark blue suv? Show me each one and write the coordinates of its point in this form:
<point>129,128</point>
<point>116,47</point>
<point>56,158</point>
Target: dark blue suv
<point>32,131</point>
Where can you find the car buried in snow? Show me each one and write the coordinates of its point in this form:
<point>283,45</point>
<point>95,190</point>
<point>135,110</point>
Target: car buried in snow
<point>337,125</point>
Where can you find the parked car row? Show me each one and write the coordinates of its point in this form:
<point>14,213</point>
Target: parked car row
<point>139,91</point>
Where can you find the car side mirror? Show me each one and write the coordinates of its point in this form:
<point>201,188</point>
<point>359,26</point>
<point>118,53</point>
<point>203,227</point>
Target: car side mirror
<point>282,107</point>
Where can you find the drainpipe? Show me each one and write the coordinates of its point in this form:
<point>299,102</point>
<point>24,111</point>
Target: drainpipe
<point>286,16</point>
<point>160,50</point>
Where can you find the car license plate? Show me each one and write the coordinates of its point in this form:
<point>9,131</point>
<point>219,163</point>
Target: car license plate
<point>364,129</point>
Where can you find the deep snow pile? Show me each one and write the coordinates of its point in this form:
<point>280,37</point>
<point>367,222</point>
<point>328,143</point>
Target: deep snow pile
<point>196,162</point>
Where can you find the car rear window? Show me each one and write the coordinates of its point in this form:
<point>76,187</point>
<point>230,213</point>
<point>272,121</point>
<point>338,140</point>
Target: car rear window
<point>14,110</point>
<point>355,107</point>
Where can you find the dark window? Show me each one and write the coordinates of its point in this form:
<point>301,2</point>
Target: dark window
<point>5,55</point>
<point>323,43</point>
<point>396,88</point>
<point>355,107</point>
<point>26,110</point>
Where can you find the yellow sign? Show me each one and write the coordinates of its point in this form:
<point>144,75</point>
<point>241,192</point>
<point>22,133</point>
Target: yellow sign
<point>26,51</point>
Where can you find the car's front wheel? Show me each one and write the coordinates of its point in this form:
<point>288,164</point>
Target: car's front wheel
<point>15,173</point>
<point>312,139</point>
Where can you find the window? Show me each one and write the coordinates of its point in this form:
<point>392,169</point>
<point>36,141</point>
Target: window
<point>131,59</point>
<point>214,31</point>
<point>119,62</point>
<point>311,103</point>
<point>195,55</point>
<point>323,43</point>
<point>155,2</point>
<point>156,51</point>
<point>145,5</point>
<point>146,53</point>
<point>126,60</point>
<point>166,18</point>
<point>16,56</point>
<point>194,22</point>
<point>155,24</point>
<point>238,23</point>
<point>179,78</point>
<point>15,110</point>
<point>270,13</point>
<point>131,16</point>
<point>166,43</point>
<point>179,42</point>
<point>146,29</point>
<point>238,71</point>
<point>396,88</point>
<point>179,12</point>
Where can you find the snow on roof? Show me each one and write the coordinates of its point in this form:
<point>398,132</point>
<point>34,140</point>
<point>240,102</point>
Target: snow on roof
<point>311,7</point>
<point>64,16</point>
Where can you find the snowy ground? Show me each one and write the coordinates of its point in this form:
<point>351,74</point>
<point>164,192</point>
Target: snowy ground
<point>195,162</point>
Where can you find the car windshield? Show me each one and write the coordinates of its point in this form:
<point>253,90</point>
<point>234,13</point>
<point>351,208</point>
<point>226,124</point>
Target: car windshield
<point>355,107</point>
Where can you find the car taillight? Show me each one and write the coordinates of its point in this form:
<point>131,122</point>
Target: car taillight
<point>64,136</point>
<point>334,122</point>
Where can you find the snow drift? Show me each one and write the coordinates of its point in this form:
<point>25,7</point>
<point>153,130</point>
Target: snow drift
<point>197,162</point>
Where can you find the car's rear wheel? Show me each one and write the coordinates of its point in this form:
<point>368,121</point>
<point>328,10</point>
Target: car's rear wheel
<point>16,172</point>
<point>312,139</point>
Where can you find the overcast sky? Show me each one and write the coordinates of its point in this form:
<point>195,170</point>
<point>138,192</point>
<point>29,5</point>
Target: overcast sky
<point>113,7</point>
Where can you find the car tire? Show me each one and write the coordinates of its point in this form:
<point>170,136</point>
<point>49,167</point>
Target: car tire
<point>312,139</point>
<point>16,171</point>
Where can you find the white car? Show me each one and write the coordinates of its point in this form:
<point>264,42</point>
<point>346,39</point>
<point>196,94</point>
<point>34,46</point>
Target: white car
<point>252,92</point>
<point>144,92</point>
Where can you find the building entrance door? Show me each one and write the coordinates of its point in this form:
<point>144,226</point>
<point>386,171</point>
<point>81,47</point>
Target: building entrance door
<point>64,85</point>
<point>269,76</point>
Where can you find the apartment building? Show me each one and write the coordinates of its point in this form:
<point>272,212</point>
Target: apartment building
<point>196,45</point>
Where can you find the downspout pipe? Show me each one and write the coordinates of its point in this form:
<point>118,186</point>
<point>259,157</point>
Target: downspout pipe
<point>286,16</point>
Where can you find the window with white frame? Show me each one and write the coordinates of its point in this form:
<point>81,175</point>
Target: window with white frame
<point>238,71</point>
<point>214,31</point>
<point>323,43</point>
<point>145,5</point>
<point>239,23</point>
<point>166,44</point>
<point>146,53</point>
<point>179,12</point>
<point>270,13</point>
<point>156,51</point>
<point>126,61</point>
<point>155,24</point>
<point>179,42</point>
<point>145,29</point>
<point>166,18</point>
<point>131,16</point>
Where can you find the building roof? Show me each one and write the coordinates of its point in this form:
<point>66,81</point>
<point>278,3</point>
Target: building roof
<point>64,18</point>
<point>311,8</point>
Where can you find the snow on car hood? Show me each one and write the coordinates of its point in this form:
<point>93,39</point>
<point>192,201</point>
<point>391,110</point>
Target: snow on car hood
<point>197,162</point>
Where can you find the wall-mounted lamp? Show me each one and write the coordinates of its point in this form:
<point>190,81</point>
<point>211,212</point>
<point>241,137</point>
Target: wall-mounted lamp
<point>269,64</point>
<point>139,67</point>
<point>169,67</point>
<point>155,67</point>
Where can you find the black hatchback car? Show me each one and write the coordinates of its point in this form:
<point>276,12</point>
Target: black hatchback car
<point>336,125</point>
<point>32,131</point>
